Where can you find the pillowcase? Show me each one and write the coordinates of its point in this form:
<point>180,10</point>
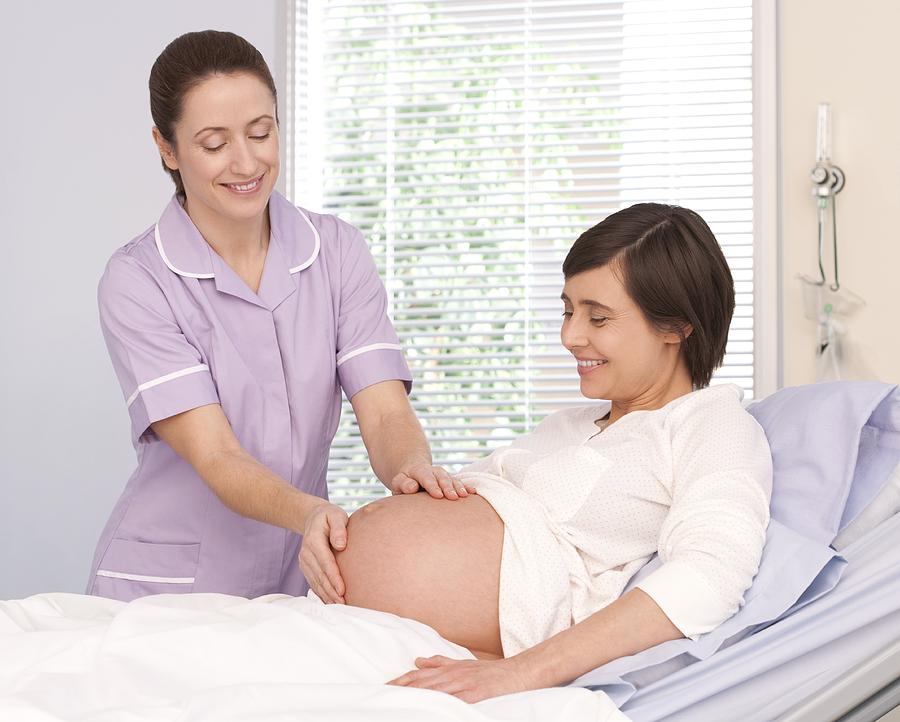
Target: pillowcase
<point>881,508</point>
<point>833,447</point>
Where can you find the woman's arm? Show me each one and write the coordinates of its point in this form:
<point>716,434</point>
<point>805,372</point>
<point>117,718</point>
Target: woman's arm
<point>204,438</point>
<point>398,450</point>
<point>629,625</point>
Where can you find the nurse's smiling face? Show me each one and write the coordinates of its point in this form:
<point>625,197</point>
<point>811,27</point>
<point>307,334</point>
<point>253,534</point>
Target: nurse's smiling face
<point>226,146</point>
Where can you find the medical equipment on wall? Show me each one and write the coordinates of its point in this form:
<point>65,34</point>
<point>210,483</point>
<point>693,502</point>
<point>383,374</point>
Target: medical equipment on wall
<point>825,301</point>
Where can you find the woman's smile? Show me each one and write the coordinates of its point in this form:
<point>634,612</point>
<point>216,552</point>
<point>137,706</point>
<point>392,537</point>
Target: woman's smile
<point>586,366</point>
<point>247,188</point>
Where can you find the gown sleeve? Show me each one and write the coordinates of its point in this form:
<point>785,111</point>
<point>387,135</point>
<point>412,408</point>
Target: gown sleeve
<point>712,538</point>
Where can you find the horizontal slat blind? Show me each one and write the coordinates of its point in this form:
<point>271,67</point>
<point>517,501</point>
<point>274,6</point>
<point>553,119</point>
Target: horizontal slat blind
<point>472,142</point>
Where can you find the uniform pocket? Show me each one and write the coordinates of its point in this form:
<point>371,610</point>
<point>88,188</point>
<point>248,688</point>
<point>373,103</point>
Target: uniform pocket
<point>131,569</point>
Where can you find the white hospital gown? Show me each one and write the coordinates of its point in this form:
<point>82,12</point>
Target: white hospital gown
<point>583,510</point>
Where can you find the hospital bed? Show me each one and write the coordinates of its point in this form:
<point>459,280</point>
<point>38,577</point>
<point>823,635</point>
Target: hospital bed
<point>97,657</point>
<point>831,653</point>
<point>836,659</point>
<point>869,691</point>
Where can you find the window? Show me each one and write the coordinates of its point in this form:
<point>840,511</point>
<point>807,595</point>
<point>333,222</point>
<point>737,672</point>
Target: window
<point>472,141</point>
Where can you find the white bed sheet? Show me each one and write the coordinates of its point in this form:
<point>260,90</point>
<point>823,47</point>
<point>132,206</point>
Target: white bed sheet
<point>217,657</point>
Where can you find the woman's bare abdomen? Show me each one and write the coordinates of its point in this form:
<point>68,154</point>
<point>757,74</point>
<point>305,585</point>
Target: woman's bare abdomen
<point>433,560</point>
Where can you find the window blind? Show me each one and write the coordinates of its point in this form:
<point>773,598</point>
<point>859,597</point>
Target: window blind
<point>472,142</point>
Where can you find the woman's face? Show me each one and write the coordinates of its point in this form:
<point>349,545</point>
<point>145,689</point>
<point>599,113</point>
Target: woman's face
<point>620,355</point>
<point>226,146</point>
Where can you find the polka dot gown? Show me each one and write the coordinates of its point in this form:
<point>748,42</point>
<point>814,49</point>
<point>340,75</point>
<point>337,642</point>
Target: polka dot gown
<point>584,509</point>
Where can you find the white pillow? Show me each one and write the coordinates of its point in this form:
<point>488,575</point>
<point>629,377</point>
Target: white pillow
<point>882,507</point>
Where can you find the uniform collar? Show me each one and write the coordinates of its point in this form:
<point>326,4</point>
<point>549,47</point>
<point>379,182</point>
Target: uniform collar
<point>186,253</point>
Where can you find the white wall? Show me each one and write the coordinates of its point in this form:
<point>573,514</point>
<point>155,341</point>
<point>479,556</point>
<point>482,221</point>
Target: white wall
<point>80,177</point>
<point>846,54</point>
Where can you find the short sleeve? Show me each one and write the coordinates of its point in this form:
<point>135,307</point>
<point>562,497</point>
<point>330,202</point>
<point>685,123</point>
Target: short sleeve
<point>160,372</point>
<point>712,539</point>
<point>368,350</point>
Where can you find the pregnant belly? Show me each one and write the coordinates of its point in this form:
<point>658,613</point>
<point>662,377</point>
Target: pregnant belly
<point>432,560</point>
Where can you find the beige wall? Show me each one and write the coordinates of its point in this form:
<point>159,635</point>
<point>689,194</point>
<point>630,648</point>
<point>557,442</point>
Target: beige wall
<point>848,54</point>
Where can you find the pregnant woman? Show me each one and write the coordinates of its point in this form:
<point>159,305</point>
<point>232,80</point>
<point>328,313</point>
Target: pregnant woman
<point>528,575</point>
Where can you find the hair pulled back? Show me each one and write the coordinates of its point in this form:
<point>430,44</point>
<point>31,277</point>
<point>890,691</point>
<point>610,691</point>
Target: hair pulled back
<point>673,268</point>
<point>185,63</point>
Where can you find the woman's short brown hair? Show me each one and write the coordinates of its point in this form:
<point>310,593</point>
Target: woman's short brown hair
<point>189,60</point>
<point>673,268</point>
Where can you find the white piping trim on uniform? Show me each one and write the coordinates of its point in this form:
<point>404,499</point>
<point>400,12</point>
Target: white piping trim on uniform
<point>162,379</point>
<point>144,577</point>
<point>159,247</point>
<point>365,349</point>
<point>308,262</point>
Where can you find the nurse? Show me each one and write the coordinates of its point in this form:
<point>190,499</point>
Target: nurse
<point>233,324</point>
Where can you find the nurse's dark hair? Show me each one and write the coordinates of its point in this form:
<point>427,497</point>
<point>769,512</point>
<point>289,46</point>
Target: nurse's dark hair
<point>672,266</point>
<point>189,60</point>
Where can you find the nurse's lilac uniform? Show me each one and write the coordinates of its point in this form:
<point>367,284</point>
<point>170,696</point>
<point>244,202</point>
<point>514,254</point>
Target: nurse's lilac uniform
<point>183,331</point>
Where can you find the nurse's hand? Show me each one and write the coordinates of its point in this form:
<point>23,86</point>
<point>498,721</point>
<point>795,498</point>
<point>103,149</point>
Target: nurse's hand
<point>325,530</point>
<point>433,479</point>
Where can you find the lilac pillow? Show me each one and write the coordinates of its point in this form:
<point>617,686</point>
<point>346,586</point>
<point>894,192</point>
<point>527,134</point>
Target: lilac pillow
<point>833,448</point>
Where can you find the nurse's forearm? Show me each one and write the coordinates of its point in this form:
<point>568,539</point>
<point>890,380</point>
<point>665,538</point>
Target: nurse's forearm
<point>397,444</point>
<point>204,438</point>
<point>390,430</point>
<point>250,489</point>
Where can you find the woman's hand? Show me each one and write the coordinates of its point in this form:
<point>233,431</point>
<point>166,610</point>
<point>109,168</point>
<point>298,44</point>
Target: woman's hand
<point>472,680</point>
<point>325,530</point>
<point>433,479</point>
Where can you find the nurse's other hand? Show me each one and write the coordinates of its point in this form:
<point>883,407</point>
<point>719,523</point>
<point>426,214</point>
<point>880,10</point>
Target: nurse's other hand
<point>325,530</point>
<point>433,479</point>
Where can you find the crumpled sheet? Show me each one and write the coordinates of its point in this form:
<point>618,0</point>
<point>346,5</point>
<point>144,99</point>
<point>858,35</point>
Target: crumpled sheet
<point>214,657</point>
